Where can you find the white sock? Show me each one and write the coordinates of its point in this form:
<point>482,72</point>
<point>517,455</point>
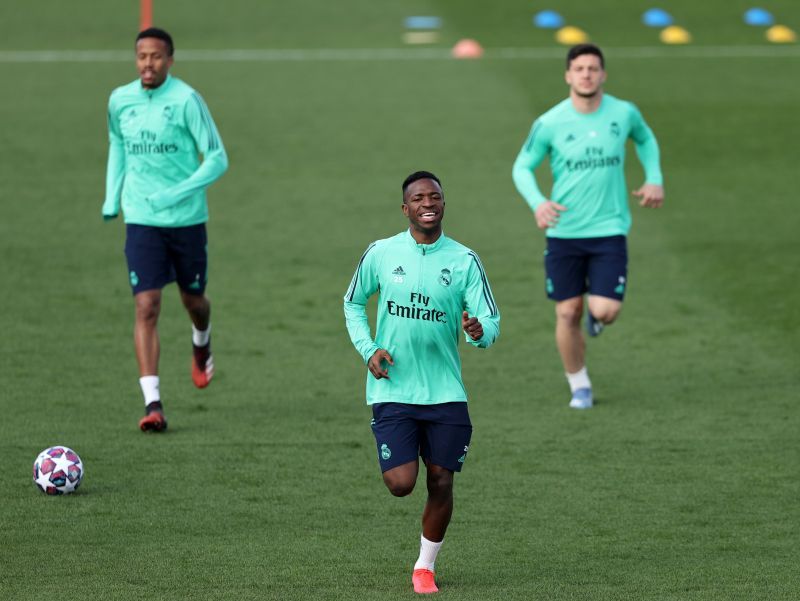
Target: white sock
<point>579,379</point>
<point>428,551</point>
<point>149,386</point>
<point>200,337</point>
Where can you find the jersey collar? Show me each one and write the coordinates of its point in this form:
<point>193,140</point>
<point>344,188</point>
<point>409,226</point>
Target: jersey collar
<point>595,112</point>
<point>159,90</point>
<point>424,248</point>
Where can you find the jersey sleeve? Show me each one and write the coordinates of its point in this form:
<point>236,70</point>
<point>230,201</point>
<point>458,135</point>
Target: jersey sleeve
<point>479,302</point>
<point>646,148</point>
<point>533,152</point>
<point>209,144</point>
<point>363,285</point>
<point>115,170</point>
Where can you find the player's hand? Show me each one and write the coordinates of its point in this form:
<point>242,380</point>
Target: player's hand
<point>108,217</point>
<point>375,364</point>
<point>652,196</point>
<point>471,326</point>
<point>548,213</point>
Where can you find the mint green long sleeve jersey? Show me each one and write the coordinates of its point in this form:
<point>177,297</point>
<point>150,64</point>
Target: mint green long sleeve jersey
<point>423,290</point>
<point>587,158</point>
<point>154,169</point>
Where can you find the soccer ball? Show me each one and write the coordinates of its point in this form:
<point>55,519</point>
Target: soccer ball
<point>57,471</point>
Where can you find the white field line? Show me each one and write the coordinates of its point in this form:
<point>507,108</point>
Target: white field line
<point>397,54</point>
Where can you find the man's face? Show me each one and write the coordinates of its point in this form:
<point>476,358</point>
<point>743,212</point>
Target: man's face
<point>423,204</point>
<point>585,75</point>
<point>152,61</point>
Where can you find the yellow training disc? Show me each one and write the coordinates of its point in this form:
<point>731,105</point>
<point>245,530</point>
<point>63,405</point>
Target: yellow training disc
<point>571,35</point>
<point>420,37</point>
<point>675,35</point>
<point>780,34</point>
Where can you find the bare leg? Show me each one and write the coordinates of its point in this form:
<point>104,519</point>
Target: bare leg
<point>400,480</point>
<point>199,309</point>
<point>439,507</point>
<point>145,331</point>
<point>569,338</point>
<point>604,309</point>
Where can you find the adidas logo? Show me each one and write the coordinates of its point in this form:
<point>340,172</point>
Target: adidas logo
<point>570,138</point>
<point>399,271</point>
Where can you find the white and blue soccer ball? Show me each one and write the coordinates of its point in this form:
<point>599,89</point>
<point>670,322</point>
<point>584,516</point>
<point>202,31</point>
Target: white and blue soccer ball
<point>58,471</point>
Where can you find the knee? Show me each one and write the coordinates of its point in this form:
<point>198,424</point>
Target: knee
<point>569,313</point>
<point>606,316</point>
<point>605,312</point>
<point>399,488</point>
<point>440,482</point>
<point>196,305</point>
<point>147,309</point>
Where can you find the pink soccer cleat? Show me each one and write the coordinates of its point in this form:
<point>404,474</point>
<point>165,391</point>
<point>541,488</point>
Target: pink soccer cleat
<point>424,583</point>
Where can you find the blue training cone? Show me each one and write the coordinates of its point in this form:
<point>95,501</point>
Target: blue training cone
<point>656,17</point>
<point>548,19</point>
<point>423,22</point>
<point>758,17</point>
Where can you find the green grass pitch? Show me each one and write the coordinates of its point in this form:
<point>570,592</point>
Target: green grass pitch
<point>682,484</point>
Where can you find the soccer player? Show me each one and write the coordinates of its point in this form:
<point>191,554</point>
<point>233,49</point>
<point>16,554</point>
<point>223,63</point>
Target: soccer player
<point>164,151</point>
<point>587,217</point>
<point>431,287</point>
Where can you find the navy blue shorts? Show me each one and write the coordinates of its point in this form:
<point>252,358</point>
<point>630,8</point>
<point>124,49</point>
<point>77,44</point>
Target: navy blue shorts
<point>160,255</point>
<point>440,434</point>
<point>574,266</point>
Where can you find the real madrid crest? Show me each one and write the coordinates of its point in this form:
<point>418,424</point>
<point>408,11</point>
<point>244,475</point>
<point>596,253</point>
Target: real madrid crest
<point>445,278</point>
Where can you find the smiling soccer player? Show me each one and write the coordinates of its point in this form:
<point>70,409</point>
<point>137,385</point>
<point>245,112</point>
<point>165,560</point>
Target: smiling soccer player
<point>431,288</point>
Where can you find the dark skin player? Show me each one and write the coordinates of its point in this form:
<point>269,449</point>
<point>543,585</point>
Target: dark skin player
<point>423,204</point>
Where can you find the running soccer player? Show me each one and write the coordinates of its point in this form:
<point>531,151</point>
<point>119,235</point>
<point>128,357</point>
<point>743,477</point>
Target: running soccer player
<point>431,287</point>
<point>159,128</point>
<point>587,217</point>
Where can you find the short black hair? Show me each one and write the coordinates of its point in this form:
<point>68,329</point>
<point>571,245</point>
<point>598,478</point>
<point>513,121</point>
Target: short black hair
<point>159,34</point>
<point>582,49</point>
<point>418,175</point>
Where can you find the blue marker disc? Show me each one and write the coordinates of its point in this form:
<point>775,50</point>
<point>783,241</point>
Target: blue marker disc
<point>758,17</point>
<point>656,17</point>
<point>548,19</point>
<point>423,22</point>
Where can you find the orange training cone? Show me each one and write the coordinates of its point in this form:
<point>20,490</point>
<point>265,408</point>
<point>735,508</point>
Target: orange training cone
<point>467,48</point>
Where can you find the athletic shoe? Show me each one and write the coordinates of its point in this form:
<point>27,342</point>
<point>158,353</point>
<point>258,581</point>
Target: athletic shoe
<point>593,326</point>
<point>202,365</point>
<point>423,581</point>
<point>581,399</point>
<point>154,421</point>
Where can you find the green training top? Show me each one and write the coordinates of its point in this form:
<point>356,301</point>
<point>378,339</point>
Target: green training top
<point>424,288</point>
<point>587,157</point>
<point>154,168</point>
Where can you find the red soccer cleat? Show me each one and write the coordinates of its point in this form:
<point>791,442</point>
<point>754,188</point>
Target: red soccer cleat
<point>202,365</point>
<point>153,422</point>
<point>423,581</point>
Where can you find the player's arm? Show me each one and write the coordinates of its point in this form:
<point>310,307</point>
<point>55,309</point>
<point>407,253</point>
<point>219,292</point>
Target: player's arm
<point>115,170</point>
<point>363,285</point>
<point>480,319</point>
<point>209,144</point>
<point>533,152</point>
<point>647,150</point>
